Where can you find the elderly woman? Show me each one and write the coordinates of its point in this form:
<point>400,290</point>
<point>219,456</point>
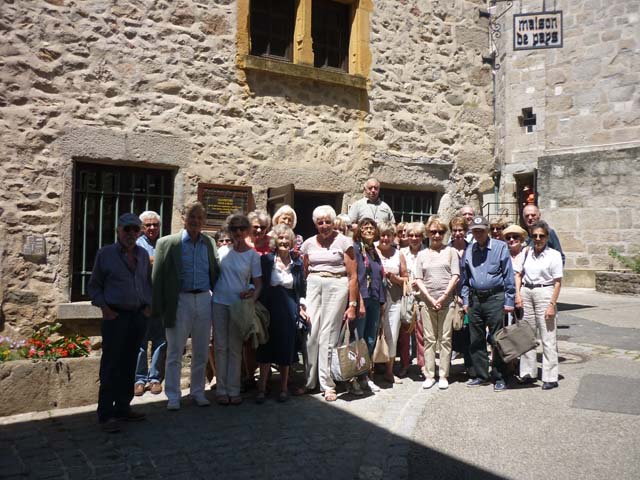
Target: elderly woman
<point>332,295</point>
<point>342,224</point>
<point>371,291</point>
<point>515,236</point>
<point>438,271</point>
<point>286,215</point>
<point>496,228</point>
<point>415,234</point>
<point>284,285</point>
<point>538,282</point>
<point>401,240</point>
<point>260,224</point>
<point>238,265</point>
<point>395,272</point>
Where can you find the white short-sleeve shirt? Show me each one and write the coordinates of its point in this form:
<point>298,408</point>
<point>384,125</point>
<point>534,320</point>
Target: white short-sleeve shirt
<point>236,271</point>
<point>540,269</point>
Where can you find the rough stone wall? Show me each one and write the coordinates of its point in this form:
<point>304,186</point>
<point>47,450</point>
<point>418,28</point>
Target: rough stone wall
<point>586,97</point>
<point>591,200</point>
<point>155,83</point>
<point>618,283</point>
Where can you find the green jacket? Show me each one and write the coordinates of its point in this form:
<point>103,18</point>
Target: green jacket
<point>165,278</point>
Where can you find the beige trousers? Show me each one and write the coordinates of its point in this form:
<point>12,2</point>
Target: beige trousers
<point>326,302</point>
<point>438,328</point>
<point>535,302</point>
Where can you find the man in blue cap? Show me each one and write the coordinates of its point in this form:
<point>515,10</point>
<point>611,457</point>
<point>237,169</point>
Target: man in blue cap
<point>120,285</point>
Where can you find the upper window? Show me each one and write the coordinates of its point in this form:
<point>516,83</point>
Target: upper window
<point>272,23</point>
<point>331,28</point>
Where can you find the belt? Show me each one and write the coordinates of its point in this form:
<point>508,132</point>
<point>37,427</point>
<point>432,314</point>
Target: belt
<point>538,285</point>
<point>329,274</point>
<point>194,292</point>
<point>487,293</point>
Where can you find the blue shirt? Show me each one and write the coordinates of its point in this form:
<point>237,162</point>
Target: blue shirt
<point>114,283</point>
<point>369,283</point>
<point>487,268</point>
<point>144,242</point>
<point>195,264</point>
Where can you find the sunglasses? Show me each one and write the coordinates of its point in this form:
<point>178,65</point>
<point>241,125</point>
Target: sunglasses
<point>131,228</point>
<point>324,222</point>
<point>149,225</point>
<point>538,236</point>
<point>441,232</point>
<point>497,229</point>
<point>508,238</point>
<point>259,227</point>
<point>236,228</point>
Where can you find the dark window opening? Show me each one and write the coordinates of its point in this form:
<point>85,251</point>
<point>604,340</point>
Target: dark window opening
<point>101,194</point>
<point>411,206</point>
<point>331,29</point>
<point>271,24</point>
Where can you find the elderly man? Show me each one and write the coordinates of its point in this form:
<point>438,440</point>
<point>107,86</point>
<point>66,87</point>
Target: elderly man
<point>531,214</point>
<point>120,285</point>
<point>185,270</point>
<point>150,376</point>
<point>371,206</point>
<point>488,291</point>
<point>467,212</point>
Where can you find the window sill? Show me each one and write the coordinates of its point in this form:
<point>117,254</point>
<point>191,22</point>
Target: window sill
<point>250,62</point>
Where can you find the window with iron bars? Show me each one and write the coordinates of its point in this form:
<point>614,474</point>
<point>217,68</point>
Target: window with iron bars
<point>101,194</point>
<point>411,206</point>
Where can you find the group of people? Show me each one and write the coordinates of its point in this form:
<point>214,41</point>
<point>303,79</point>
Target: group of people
<point>361,269</point>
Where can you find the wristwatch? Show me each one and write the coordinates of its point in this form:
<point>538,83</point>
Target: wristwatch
<point>353,303</point>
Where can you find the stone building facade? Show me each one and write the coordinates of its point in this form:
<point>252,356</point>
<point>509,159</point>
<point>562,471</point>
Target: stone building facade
<point>164,96</point>
<point>582,152</point>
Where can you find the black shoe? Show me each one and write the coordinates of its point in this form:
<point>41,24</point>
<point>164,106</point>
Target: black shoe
<point>131,416</point>
<point>549,385</point>
<point>110,426</point>
<point>526,380</point>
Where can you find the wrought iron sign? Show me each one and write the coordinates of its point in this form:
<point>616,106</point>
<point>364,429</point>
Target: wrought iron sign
<point>533,31</point>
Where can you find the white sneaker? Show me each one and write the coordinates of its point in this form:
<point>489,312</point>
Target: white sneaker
<point>173,405</point>
<point>354,388</point>
<point>372,386</point>
<point>428,383</point>
<point>443,383</point>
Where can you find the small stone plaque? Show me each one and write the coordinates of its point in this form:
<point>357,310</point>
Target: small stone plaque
<point>34,248</point>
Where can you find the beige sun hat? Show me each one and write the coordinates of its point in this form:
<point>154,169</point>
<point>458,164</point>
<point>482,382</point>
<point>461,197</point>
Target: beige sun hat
<point>517,229</point>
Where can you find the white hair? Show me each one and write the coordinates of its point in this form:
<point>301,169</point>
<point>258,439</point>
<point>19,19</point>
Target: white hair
<point>150,214</point>
<point>324,211</point>
<point>285,210</point>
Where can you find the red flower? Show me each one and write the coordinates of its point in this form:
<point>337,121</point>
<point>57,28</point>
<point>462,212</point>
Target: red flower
<point>64,353</point>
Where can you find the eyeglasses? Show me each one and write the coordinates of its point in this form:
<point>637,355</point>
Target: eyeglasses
<point>226,240</point>
<point>259,227</point>
<point>508,238</point>
<point>497,229</point>
<point>414,235</point>
<point>131,228</point>
<point>368,227</point>
<point>324,222</point>
<point>538,236</point>
<point>237,228</point>
<point>149,225</point>
<point>441,232</point>
<point>458,230</point>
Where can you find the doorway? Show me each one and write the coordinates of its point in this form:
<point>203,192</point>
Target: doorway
<point>306,202</point>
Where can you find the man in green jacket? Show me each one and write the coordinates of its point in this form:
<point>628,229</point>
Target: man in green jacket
<point>185,270</point>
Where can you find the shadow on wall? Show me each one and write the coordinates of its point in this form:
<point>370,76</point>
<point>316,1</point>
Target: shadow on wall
<point>303,439</point>
<point>307,92</point>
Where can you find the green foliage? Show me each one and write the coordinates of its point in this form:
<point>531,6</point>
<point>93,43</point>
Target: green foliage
<point>631,262</point>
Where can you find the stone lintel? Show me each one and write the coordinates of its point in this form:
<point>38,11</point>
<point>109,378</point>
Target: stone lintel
<point>78,310</point>
<point>250,62</point>
<point>110,144</point>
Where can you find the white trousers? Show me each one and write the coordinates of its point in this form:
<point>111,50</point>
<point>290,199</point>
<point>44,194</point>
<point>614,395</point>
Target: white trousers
<point>326,302</point>
<point>228,351</point>
<point>193,317</point>
<point>391,325</point>
<point>535,302</point>
<point>438,328</point>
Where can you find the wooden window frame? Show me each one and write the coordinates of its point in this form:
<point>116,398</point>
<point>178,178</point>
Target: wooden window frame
<point>302,63</point>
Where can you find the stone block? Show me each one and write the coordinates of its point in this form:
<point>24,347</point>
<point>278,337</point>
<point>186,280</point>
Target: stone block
<point>78,310</point>
<point>476,116</point>
<point>556,76</point>
<point>559,103</point>
<point>598,219</point>
<point>621,94</point>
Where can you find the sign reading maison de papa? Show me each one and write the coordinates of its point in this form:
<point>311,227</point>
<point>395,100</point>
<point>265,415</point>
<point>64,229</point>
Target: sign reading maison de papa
<point>533,31</point>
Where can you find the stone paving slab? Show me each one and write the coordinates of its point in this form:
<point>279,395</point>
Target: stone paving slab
<point>609,393</point>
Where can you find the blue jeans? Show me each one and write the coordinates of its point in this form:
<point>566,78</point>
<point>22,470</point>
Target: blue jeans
<point>367,326</point>
<point>154,372</point>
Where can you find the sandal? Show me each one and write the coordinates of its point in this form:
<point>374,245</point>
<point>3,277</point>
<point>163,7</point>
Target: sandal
<point>222,400</point>
<point>235,400</point>
<point>296,392</point>
<point>330,396</point>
